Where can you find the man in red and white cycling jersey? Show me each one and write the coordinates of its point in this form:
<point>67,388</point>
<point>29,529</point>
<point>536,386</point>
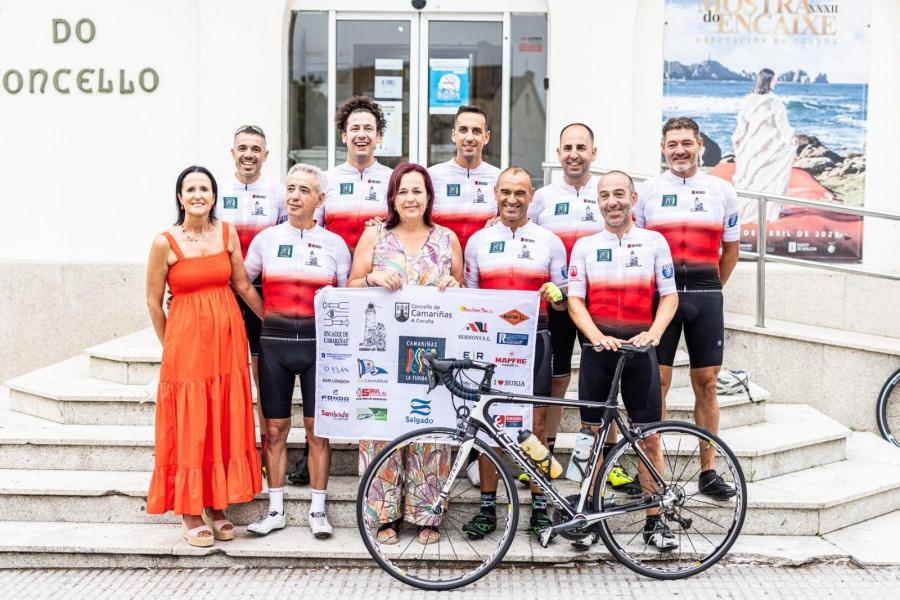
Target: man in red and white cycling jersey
<point>357,189</point>
<point>464,185</point>
<point>613,276</point>
<point>295,260</point>
<point>252,203</point>
<point>699,216</point>
<point>517,254</point>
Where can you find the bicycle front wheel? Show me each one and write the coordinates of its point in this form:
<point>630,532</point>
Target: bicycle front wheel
<point>888,409</point>
<point>402,485</point>
<point>694,530</point>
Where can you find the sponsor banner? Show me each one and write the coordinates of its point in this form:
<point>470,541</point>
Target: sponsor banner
<point>371,380</point>
<point>780,91</point>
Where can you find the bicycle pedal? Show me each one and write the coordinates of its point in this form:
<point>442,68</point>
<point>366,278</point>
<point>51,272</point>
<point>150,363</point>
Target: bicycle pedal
<point>545,536</point>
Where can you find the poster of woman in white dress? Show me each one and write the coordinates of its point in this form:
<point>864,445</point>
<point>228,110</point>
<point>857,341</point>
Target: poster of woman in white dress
<point>780,92</point>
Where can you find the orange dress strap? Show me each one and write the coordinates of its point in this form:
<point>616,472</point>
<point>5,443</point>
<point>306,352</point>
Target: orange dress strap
<point>225,229</point>
<point>174,245</point>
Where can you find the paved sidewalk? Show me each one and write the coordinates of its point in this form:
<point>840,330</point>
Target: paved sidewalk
<point>841,580</point>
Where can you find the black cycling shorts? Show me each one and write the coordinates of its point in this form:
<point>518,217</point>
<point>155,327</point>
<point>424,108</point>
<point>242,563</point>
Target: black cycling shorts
<point>542,376</point>
<point>279,362</point>
<point>701,316</point>
<point>252,323</point>
<point>641,390</point>
<point>562,341</point>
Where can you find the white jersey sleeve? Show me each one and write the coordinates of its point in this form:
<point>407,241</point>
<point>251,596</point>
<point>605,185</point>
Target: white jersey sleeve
<point>537,205</point>
<point>253,262</point>
<point>577,270</point>
<point>731,225</point>
<point>344,261</point>
<point>664,267</point>
<point>470,270</point>
<point>559,270</point>
<point>643,192</point>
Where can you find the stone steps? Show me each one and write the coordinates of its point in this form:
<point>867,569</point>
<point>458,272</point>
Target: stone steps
<point>813,501</point>
<point>114,545</point>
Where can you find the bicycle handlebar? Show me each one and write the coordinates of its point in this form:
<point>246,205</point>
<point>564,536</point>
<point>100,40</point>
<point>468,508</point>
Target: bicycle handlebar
<point>624,348</point>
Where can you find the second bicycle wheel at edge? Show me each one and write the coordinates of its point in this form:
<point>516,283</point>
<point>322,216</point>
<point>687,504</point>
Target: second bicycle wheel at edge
<point>704,528</point>
<point>421,461</point>
<point>887,411</point>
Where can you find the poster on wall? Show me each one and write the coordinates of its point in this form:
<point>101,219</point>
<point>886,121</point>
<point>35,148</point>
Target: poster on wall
<point>370,378</point>
<point>448,85</point>
<point>391,143</point>
<point>779,90</point>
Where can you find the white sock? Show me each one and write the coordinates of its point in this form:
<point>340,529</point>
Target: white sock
<point>276,500</point>
<point>318,501</point>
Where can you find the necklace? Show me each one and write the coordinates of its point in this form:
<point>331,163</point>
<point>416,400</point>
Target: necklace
<point>190,238</point>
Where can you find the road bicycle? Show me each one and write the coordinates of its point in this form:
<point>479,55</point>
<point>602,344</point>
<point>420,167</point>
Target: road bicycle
<point>887,411</point>
<point>704,528</point>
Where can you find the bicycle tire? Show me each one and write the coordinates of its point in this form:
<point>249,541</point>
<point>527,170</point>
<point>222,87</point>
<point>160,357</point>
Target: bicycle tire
<point>455,559</point>
<point>887,410</point>
<point>704,528</point>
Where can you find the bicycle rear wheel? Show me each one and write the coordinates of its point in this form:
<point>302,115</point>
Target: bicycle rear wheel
<point>888,409</point>
<point>700,529</point>
<point>456,558</point>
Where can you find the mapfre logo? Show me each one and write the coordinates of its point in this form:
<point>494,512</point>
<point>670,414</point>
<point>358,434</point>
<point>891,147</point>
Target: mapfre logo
<point>514,317</point>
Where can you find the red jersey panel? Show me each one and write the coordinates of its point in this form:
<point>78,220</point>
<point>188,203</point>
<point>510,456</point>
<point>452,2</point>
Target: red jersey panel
<point>694,214</point>
<point>463,198</point>
<point>569,213</point>
<point>250,207</point>
<point>498,259</point>
<point>352,198</point>
<point>295,264</point>
<point>618,278</point>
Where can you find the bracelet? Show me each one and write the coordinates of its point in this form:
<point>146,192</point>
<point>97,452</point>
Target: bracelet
<point>367,281</point>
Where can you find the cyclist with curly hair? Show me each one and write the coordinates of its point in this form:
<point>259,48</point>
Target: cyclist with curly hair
<point>357,189</point>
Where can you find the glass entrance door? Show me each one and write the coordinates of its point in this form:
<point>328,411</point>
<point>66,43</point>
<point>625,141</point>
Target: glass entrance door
<point>420,67</point>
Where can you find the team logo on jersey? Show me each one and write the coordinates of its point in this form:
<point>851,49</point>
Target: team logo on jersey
<point>564,273</point>
<point>479,197</point>
<point>698,191</point>
<point>401,311</point>
<point>698,206</point>
<point>453,189</point>
<point>668,271</point>
<point>525,253</point>
<point>633,260</point>
<point>670,200</point>
<point>588,215</point>
<point>346,189</point>
<point>285,251</point>
<point>312,260</point>
<point>732,219</point>
<point>373,181</point>
<point>497,247</point>
<point>573,272</point>
<point>229,202</point>
<point>561,209</point>
<point>604,255</point>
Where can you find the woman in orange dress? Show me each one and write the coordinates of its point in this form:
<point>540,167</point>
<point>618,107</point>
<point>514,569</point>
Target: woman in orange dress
<point>205,446</point>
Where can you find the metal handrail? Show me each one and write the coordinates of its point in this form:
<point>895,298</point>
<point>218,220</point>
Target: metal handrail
<point>761,256</point>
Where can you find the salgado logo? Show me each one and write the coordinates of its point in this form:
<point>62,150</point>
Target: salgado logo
<point>401,311</point>
<point>374,336</point>
<point>514,317</point>
<point>337,415</point>
<point>512,339</point>
<point>410,354</point>
<point>368,367</point>
<point>419,411</point>
<point>335,396</point>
